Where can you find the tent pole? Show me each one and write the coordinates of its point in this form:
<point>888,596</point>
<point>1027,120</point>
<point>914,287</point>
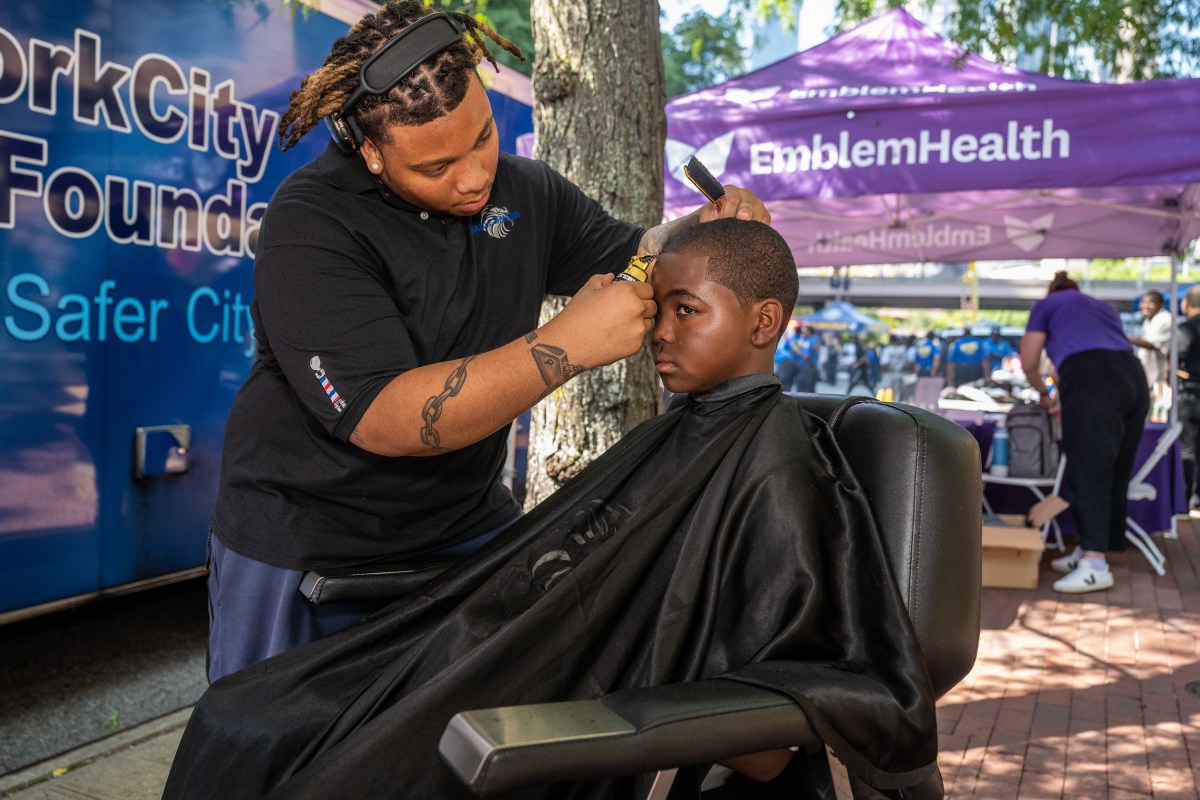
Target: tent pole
<point>1173,356</point>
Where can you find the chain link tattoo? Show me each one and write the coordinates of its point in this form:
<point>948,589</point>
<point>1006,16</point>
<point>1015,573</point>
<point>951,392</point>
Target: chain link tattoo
<point>554,365</point>
<point>432,411</point>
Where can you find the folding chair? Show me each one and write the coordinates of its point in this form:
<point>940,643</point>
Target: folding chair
<point>1034,485</point>
<point>1139,489</point>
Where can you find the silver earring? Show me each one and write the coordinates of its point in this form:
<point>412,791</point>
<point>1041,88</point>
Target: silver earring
<point>374,166</point>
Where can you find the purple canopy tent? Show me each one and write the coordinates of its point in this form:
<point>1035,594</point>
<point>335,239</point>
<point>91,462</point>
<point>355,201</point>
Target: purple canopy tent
<point>889,144</point>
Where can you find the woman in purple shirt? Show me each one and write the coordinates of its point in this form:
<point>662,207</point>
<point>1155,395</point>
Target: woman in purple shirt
<point>1104,403</point>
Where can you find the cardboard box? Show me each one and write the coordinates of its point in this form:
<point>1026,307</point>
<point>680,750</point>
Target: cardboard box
<point>1011,553</point>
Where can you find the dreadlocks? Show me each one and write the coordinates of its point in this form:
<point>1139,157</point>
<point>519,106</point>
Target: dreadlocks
<point>432,90</point>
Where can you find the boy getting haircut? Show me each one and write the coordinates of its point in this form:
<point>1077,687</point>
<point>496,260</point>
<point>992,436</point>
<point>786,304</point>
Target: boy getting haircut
<point>727,537</point>
<point>749,258</point>
<point>725,292</point>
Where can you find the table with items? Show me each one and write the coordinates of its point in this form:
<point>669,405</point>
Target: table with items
<point>1154,515</point>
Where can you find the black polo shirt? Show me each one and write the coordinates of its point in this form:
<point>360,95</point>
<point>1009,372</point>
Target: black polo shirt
<point>353,286</point>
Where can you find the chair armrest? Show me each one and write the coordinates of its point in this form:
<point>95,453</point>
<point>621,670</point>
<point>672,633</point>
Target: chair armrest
<point>374,581</point>
<point>626,733</point>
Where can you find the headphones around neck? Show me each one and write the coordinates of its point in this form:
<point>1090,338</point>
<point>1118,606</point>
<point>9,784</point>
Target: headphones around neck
<point>391,64</point>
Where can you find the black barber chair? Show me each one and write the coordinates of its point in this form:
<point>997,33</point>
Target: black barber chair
<point>921,474</point>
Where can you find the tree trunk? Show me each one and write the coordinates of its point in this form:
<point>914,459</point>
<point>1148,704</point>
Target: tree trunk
<point>600,118</point>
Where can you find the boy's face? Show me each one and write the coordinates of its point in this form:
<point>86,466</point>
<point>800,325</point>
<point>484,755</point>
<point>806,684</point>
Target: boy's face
<point>702,335</point>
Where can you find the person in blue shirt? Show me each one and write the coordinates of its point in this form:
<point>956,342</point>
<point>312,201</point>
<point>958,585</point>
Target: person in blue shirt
<point>926,356</point>
<point>964,361</point>
<point>796,359</point>
<point>808,352</point>
<point>995,350</point>
<point>831,355</point>
<point>786,360</point>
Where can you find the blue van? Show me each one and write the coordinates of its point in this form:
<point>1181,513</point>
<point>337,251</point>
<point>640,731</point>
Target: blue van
<point>137,155</point>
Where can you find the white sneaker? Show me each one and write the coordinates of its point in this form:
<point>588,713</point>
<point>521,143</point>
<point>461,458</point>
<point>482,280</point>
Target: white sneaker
<point>1084,578</point>
<point>1070,561</point>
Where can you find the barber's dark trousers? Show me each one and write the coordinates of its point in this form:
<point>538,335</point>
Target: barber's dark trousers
<point>1104,404</point>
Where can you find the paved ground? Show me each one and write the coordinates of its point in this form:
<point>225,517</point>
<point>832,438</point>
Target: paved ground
<point>1087,697</point>
<point>130,765</point>
<point>1084,697</point>
<point>79,675</point>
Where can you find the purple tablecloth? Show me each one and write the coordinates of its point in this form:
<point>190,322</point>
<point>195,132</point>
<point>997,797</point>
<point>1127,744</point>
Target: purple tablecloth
<point>1153,515</point>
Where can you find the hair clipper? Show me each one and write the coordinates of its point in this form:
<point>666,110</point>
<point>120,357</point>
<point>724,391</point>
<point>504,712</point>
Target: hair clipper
<point>638,269</point>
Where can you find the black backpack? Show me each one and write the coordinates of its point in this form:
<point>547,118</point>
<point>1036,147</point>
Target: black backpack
<point>1032,449</point>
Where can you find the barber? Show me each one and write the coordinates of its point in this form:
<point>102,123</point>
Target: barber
<point>398,279</point>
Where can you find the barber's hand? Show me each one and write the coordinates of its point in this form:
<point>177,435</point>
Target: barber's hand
<point>737,202</point>
<point>605,321</point>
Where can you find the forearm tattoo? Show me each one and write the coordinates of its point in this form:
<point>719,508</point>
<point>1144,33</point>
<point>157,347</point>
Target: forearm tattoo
<point>654,238</point>
<point>554,365</point>
<point>432,411</point>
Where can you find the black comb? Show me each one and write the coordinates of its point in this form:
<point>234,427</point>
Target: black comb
<point>703,180</point>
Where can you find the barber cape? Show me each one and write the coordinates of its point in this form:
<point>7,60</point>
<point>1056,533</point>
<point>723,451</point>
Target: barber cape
<point>727,537</point>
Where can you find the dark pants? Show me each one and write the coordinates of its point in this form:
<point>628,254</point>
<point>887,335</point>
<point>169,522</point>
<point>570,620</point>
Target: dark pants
<point>806,377</point>
<point>860,374</point>
<point>967,373</point>
<point>831,367</point>
<point>1189,440</point>
<point>786,372</point>
<point>799,375</point>
<point>1104,404</point>
<point>255,610</point>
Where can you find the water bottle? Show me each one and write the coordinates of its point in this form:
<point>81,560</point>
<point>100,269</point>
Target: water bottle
<point>1000,451</point>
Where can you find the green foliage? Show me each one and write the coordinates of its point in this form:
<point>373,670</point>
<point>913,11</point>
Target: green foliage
<point>703,50</point>
<point>510,18</point>
<point>920,320</point>
<point>1126,269</point>
<point>785,12</point>
<point>1126,39</point>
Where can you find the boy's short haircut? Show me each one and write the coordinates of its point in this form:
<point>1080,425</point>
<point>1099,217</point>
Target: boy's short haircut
<point>749,258</point>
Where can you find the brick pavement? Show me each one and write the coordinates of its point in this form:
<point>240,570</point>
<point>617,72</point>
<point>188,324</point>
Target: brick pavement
<point>1084,696</point>
<point>1078,697</point>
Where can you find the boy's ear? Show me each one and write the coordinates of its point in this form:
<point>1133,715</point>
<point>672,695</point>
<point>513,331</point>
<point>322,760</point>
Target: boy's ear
<point>769,322</point>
